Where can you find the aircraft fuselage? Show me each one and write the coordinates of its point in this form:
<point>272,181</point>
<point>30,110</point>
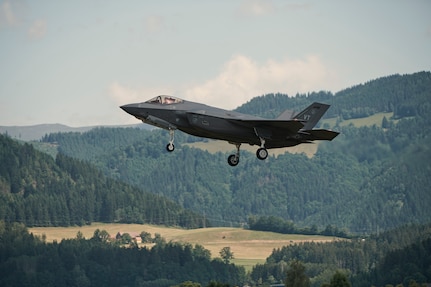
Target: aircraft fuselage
<point>200,120</point>
<point>194,119</point>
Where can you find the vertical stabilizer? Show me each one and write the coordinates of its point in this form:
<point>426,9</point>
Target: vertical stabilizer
<point>311,115</point>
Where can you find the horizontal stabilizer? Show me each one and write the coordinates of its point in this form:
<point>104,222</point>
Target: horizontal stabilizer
<point>320,134</point>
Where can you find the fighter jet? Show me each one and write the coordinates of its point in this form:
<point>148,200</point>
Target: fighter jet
<point>171,113</point>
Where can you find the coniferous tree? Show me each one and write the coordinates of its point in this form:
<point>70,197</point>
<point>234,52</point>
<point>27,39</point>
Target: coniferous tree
<point>295,276</point>
<point>339,280</point>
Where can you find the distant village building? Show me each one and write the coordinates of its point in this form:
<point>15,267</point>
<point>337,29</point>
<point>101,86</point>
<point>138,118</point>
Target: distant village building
<point>135,236</point>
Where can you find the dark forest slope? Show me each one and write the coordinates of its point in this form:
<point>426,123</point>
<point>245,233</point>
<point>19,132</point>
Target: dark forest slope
<point>38,191</point>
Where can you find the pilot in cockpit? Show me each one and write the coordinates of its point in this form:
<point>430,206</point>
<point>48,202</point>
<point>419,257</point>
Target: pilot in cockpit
<point>168,101</point>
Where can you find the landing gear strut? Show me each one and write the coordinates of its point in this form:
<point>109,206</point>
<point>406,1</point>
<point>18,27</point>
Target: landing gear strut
<point>171,147</point>
<point>233,159</point>
<point>262,153</point>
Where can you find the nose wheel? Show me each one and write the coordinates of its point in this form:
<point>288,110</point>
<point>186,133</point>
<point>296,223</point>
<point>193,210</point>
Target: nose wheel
<point>233,159</point>
<point>171,147</point>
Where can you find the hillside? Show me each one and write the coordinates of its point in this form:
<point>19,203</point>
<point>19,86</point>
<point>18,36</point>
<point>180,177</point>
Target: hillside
<point>37,190</point>
<point>372,177</point>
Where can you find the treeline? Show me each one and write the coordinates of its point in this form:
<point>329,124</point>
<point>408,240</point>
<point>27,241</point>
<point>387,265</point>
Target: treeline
<point>279,225</point>
<point>388,259</point>
<point>367,179</point>
<point>37,190</point>
<point>26,260</point>
<point>400,94</point>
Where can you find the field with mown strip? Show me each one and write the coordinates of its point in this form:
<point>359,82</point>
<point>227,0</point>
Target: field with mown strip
<point>249,247</point>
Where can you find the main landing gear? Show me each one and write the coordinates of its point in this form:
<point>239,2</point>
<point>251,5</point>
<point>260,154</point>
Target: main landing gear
<point>233,159</point>
<point>261,153</point>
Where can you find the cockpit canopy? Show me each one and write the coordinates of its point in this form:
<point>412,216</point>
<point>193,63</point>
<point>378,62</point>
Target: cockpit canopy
<point>164,100</point>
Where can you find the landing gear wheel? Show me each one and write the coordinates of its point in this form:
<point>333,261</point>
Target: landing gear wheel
<point>170,147</point>
<point>233,160</point>
<point>262,153</point>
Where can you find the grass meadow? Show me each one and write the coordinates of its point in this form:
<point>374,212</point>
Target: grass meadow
<point>249,247</point>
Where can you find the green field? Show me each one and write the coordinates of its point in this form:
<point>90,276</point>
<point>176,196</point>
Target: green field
<point>249,247</point>
<point>375,119</point>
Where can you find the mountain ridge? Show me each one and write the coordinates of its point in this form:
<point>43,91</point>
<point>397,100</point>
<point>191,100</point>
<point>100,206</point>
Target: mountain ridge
<point>36,132</point>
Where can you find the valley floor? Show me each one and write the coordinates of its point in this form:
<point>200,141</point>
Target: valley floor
<point>249,247</point>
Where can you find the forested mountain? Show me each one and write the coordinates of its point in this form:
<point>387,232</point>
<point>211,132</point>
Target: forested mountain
<point>37,190</point>
<point>399,94</point>
<point>370,178</point>
<point>388,259</point>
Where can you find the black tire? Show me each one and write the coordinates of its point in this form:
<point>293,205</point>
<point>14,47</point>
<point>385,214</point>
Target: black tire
<point>233,160</point>
<point>170,147</point>
<point>262,153</point>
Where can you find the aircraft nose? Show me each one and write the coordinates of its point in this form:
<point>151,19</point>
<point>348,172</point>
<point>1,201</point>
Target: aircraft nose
<point>130,109</point>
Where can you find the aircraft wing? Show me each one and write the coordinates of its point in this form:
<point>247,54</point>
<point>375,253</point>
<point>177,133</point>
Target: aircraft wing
<point>265,127</point>
<point>292,126</point>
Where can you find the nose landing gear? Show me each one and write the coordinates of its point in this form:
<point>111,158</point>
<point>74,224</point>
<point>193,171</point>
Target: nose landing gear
<point>171,147</point>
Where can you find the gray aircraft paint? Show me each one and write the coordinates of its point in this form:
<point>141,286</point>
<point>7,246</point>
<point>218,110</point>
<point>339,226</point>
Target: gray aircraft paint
<point>201,120</point>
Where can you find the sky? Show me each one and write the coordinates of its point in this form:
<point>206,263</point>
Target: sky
<point>75,62</point>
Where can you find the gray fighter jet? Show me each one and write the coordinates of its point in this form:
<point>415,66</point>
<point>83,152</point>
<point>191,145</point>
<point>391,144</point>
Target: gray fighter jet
<point>200,120</point>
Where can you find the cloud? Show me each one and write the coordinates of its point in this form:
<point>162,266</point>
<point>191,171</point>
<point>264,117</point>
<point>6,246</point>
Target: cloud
<point>154,24</point>
<point>37,30</point>
<point>15,14</point>
<point>7,15</point>
<point>255,7</point>
<point>295,7</point>
<point>121,94</point>
<point>241,79</point>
